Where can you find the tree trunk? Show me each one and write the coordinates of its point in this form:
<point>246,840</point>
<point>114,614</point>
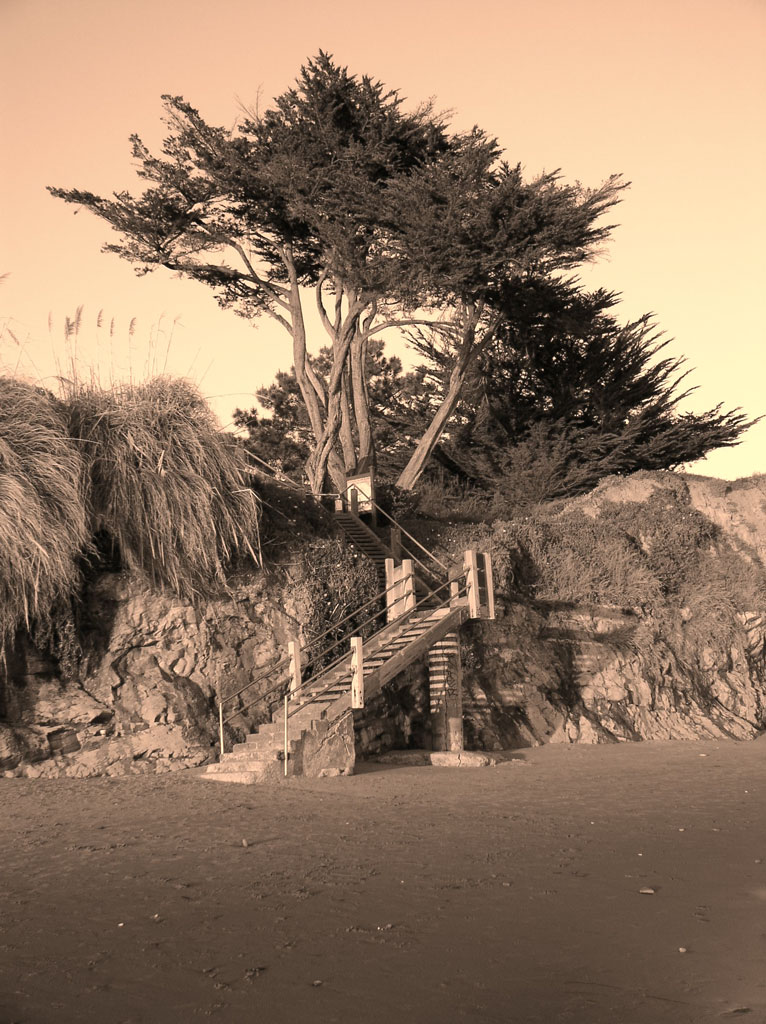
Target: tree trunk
<point>347,424</point>
<point>324,455</point>
<point>467,353</point>
<point>361,401</point>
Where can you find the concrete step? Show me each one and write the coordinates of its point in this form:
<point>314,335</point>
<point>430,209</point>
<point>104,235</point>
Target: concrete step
<point>244,777</point>
<point>243,753</point>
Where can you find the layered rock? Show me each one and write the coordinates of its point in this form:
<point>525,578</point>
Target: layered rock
<point>147,699</point>
<point>542,672</point>
<point>555,674</point>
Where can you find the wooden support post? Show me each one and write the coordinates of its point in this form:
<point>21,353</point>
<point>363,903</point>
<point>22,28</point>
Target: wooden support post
<point>396,542</point>
<point>454,591</point>
<point>470,564</point>
<point>390,590</point>
<point>294,650</point>
<point>357,672</point>
<point>488,582</point>
<point>354,500</point>
<point>340,505</point>
<point>445,679</point>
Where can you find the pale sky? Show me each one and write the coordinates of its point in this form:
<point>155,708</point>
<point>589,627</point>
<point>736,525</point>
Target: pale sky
<point>670,93</point>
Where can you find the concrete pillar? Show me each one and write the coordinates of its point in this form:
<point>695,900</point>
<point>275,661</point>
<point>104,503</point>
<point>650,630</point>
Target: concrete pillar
<point>445,677</point>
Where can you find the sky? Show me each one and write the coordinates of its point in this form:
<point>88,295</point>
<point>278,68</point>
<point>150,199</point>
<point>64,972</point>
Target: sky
<point>670,93</point>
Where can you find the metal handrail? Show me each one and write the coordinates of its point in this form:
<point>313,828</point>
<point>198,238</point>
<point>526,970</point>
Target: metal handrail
<point>406,533</point>
<point>346,618</point>
<point>285,659</point>
<point>333,664</point>
<point>315,696</point>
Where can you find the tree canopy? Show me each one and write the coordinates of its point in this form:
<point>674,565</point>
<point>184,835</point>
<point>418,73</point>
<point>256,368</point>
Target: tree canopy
<point>564,395</point>
<point>388,216</point>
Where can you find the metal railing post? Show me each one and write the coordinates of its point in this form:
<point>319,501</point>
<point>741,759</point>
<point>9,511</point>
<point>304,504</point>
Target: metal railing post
<point>391,594</point>
<point>408,585</point>
<point>220,725</point>
<point>287,745</point>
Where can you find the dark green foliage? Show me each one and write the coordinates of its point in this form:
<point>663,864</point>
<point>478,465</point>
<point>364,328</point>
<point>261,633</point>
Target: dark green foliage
<point>382,211</point>
<point>673,537</point>
<point>629,553</point>
<point>398,405</point>
<point>565,395</point>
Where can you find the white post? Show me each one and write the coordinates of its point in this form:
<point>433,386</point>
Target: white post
<point>408,586</point>
<point>357,672</point>
<point>220,724</point>
<point>490,585</point>
<point>391,593</point>
<point>470,564</point>
<point>294,650</point>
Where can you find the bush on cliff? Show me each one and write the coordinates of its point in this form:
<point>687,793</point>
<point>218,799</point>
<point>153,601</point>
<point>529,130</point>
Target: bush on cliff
<point>42,516</point>
<point>165,488</point>
<point>659,551</point>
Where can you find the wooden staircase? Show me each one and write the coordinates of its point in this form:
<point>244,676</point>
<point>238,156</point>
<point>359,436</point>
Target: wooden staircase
<point>422,609</point>
<point>372,546</point>
<point>328,696</point>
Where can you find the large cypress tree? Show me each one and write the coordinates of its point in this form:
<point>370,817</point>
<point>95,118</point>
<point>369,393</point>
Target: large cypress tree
<point>388,217</point>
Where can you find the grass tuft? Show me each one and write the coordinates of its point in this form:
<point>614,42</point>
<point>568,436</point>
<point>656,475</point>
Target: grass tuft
<point>164,486</point>
<point>43,526</point>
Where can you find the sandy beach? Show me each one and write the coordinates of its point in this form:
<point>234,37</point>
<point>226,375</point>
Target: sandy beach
<point>589,885</point>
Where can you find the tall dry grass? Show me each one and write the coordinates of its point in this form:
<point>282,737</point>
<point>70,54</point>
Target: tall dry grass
<point>43,527</point>
<point>163,483</point>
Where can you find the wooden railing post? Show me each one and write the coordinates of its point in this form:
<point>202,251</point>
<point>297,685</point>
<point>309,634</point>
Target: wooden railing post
<point>357,672</point>
<point>471,566</point>
<point>408,586</point>
<point>391,591</point>
<point>294,650</point>
<point>489,584</point>
<point>354,500</point>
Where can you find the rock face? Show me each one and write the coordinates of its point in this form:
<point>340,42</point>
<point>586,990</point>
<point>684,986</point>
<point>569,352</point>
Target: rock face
<point>551,674</point>
<point>542,672</point>
<point>147,701</point>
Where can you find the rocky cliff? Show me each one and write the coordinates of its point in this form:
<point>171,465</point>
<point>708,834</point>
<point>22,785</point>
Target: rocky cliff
<point>688,662</point>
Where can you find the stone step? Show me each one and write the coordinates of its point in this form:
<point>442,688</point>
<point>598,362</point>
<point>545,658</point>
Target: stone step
<point>246,778</point>
<point>256,749</point>
<point>245,755</point>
